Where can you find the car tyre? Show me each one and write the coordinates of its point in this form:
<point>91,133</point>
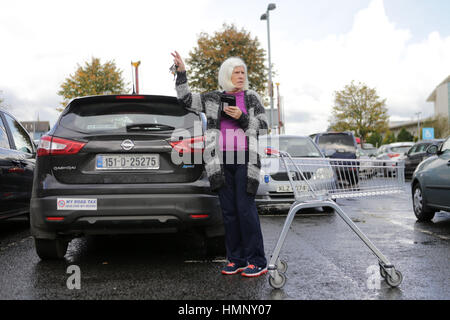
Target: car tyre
<point>48,249</point>
<point>421,210</point>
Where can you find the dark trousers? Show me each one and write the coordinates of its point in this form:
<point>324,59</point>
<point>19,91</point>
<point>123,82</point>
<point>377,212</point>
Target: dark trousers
<point>243,236</point>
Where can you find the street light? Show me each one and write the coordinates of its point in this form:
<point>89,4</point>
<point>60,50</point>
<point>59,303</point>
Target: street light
<point>418,124</point>
<point>265,16</point>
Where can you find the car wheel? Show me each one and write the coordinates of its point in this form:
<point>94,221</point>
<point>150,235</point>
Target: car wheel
<point>422,212</point>
<point>48,249</point>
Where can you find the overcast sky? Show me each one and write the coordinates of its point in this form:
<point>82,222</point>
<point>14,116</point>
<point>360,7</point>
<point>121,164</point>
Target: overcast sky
<point>399,47</point>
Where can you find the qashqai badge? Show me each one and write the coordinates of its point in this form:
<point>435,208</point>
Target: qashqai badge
<point>127,145</point>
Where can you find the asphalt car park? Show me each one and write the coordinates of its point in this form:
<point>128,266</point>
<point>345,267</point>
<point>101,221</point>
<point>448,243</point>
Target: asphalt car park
<point>88,159</point>
<point>326,260</point>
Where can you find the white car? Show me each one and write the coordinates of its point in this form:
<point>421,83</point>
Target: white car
<point>275,188</point>
<point>366,165</point>
<point>394,152</point>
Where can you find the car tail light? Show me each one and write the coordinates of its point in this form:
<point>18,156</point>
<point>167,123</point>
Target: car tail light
<point>393,155</point>
<point>55,218</point>
<point>49,145</point>
<point>191,145</point>
<point>271,151</point>
<point>199,216</point>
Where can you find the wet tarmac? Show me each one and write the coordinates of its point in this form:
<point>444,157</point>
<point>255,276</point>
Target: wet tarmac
<point>326,260</point>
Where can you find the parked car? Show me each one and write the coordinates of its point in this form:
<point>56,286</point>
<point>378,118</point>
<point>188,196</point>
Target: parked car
<point>366,166</point>
<point>340,145</point>
<point>392,152</point>
<point>417,154</point>
<point>275,188</point>
<point>107,167</point>
<point>430,183</point>
<point>369,150</point>
<point>17,163</point>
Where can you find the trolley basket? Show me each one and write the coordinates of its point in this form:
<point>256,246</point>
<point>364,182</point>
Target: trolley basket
<point>319,182</point>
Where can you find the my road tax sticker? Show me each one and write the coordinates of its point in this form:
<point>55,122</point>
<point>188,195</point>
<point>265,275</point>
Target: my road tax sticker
<point>76,204</point>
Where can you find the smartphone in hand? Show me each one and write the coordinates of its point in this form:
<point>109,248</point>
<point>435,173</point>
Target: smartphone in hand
<point>225,101</point>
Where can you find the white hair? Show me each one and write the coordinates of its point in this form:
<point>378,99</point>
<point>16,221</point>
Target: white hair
<point>226,70</point>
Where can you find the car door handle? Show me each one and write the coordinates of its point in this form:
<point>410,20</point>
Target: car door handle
<point>448,163</point>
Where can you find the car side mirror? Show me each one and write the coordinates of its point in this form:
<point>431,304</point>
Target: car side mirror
<point>432,150</point>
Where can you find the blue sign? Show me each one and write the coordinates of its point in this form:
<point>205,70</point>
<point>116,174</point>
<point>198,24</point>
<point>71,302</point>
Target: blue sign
<point>427,133</point>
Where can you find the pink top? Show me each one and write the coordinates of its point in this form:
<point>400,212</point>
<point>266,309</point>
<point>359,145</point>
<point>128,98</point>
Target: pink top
<point>232,136</point>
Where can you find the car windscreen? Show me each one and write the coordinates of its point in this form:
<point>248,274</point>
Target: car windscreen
<point>338,142</point>
<point>298,147</point>
<point>402,149</point>
<point>121,117</point>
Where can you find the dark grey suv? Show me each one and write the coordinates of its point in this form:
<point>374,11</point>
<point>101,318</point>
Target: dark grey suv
<point>111,165</point>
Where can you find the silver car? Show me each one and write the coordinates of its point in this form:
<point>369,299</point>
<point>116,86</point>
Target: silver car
<point>275,188</point>
<point>394,151</point>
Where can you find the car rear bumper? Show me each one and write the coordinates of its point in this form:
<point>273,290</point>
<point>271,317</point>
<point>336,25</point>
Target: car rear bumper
<point>116,214</point>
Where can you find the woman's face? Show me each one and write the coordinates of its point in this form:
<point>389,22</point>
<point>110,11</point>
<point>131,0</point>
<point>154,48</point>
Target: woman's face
<point>238,78</point>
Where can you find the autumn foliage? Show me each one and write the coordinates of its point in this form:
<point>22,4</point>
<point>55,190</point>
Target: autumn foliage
<point>358,108</point>
<point>205,59</point>
<point>94,78</point>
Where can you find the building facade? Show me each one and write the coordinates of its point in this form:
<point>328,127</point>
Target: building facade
<point>441,99</point>
<point>36,128</point>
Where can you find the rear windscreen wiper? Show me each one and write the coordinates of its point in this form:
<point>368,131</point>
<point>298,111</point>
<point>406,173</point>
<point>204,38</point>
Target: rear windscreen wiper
<point>149,127</point>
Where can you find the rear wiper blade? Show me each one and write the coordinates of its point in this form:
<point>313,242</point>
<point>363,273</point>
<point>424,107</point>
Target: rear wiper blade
<point>149,127</point>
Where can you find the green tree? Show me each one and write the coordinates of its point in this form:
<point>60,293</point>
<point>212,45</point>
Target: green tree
<point>404,136</point>
<point>205,59</point>
<point>375,138</point>
<point>358,108</point>
<point>389,137</point>
<point>94,78</point>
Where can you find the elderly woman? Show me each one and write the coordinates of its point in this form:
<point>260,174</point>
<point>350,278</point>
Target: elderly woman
<point>231,160</point>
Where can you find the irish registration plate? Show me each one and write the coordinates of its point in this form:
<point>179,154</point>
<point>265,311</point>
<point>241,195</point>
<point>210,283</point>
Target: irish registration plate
<point>127,161</point>
<point>288,188</point>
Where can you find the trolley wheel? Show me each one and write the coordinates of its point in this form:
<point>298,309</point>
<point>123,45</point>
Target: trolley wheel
<point>277,282</point>
<point>394,282</point>
<point>282,266</point>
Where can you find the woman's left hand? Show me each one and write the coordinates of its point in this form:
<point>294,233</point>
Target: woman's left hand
<point>233,112</point>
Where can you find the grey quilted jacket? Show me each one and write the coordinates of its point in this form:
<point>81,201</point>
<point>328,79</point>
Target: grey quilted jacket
<point>254,123</point>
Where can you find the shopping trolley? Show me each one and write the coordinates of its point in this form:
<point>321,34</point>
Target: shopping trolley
<point>319,182</point>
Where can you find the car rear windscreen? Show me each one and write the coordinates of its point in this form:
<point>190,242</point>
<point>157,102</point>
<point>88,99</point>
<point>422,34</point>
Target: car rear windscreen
<point>296,147</point>
<point>403,149</point>
<point>121,117</point>
<point>338,142</point>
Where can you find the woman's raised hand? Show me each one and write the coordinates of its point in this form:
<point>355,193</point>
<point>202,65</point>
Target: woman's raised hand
<point>178,61</point>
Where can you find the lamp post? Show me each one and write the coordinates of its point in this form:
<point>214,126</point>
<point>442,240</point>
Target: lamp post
<point>136,65</point>
<point>418,124</point>
<point>265,16</point>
